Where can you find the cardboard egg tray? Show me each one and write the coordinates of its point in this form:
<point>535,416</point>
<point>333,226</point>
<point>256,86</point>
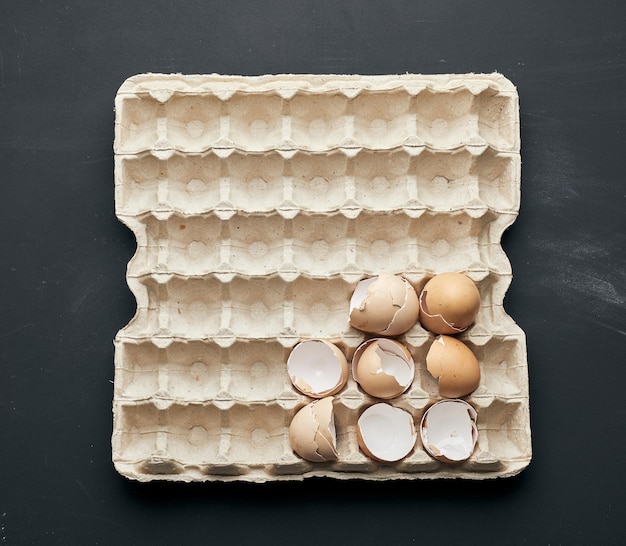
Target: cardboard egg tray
<point>258,203</point>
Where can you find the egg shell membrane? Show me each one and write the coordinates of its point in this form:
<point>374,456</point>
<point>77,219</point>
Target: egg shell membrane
<point>455,366</point>
<point>383,435</point>
<point>373,360</point>
<point>388,307</point>
<point>449,303</point>
<point>447,426</point>
<point>317,368</point>
<point>312,431</point>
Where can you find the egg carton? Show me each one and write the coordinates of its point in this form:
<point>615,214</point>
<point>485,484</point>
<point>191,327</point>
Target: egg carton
<point>258,203</point>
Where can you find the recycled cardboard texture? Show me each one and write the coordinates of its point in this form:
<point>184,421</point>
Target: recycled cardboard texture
<point>258,203</point>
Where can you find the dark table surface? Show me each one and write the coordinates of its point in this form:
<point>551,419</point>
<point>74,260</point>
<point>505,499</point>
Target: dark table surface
<point>64,255</point>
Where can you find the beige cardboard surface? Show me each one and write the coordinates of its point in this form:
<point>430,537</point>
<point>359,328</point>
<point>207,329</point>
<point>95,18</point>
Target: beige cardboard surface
<point>258,203</point>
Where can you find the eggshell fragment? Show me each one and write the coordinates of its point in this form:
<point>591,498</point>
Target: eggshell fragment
<point>448,430</point>
<point>385,433</point>
<point>383,367</point>
<point>317,368</point>
<point>386,305</point>
<point>453,363</point>
<point>448,303</point>
<point>312,431</point>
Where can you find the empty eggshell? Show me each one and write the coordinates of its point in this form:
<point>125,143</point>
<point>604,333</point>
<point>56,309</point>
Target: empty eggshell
<point>317,368</point>
<point>383,367</point>
<point>453,363</point>
<point>448,430</point>
<point>385,305</point>
<point>448,303</point>
<point>386,433</point>
<point>312,431</point>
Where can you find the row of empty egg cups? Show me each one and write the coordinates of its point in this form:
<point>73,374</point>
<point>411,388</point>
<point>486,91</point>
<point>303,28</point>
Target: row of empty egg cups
<point>316,245</point>
<point>222,432</point>
<point>473,179</point>
<point>257,121</point>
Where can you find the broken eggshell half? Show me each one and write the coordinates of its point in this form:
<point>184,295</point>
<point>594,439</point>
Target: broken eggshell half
<point>317,368</point>
<point>386,305</point>
<point>455,366</point>
<point>312,431</point>
<point>449,303</point>
<point>386,433</point>
<point>383,367</point>
<point>448,430</point>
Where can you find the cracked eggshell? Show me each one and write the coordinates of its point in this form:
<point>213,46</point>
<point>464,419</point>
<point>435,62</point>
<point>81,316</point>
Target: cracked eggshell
<point>455,366</point>
<point>386,305</point>
<point>385,433</point>
<point>317,368</point>
<point>448,430</point>
<point>383,367</point>
<point>312,431</point>
<point>449,303</point>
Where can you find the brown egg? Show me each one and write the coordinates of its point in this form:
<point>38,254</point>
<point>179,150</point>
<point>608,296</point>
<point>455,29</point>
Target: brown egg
<point>383,367</point>
<point>449,303</point>
<point>312,431</point>
<point>453,363</point>
<point>385,305</point>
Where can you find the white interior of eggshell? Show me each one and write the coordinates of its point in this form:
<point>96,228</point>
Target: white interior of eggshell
<point>314,363</point>
<point>393,362</point>
<point>333,430</point>
<point>388,432</point>
<point>360,293</point>
<point>448,430</point>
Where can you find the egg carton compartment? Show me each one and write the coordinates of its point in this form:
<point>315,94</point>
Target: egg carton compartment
<point>254,122</point>
<point>503,432</point>
<point>320,121</point>
<point>317,183</point>
<point>393,180</point>
<point>502,364</point>
<point>258,203</point>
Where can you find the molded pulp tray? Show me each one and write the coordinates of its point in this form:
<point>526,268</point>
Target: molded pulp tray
<point>258,203</point>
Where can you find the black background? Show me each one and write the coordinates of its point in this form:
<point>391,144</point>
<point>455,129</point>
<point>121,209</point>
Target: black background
<point>64,254</point>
